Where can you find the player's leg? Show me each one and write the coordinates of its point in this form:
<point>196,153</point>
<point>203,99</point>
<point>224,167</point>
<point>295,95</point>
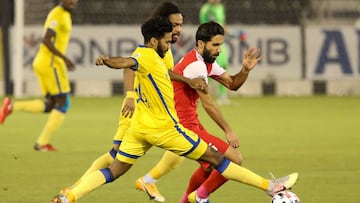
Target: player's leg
<point>167,163</point>
<point>55,84</point>
<point>187,143</point>
<point>94,180</point>
<point>202,152</point>
<point>197,178</point>
<point>241,174</point>
<point>32,106</point>
<point>102,161</point>
<point>38,105</point>
<point>132,148</point>
<point>55,120</point>
<point>106,159</point>
<point>214,179</point>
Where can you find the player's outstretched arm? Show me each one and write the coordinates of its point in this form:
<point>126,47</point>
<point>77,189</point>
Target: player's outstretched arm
<point>48,42</point>
<point>115,62</point>
<point>215,114</point>
<point>250,59</point>
<point>196,83</point>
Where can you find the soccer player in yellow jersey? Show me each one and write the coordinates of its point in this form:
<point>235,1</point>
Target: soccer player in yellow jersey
<point>155,122</point>
<point>167,10</point>
<point>50,66</point>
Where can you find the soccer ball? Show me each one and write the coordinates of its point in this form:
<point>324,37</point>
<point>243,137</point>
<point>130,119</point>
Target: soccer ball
<point>285,197</point>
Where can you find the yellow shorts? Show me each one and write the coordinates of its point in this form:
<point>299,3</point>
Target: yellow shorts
<point>178,139</point>
<point>53,80</point>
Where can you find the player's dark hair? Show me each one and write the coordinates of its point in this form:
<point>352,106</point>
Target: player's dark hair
<point>208,30</point>
<point>165,9</point>
<point>155,27</point>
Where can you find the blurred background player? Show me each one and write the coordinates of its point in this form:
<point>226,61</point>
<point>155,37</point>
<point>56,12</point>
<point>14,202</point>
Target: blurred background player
<point>50,66</point>
<point>214,10</point>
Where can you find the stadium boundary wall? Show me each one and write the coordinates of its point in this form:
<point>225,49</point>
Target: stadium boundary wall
<point>329,64</point>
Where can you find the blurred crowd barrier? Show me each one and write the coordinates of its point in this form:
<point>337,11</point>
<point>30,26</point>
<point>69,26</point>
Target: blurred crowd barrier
<point>310,46</point>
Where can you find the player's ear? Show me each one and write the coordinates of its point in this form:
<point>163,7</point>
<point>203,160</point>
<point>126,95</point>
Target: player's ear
<point>154,42</point>
<point>200,44</point>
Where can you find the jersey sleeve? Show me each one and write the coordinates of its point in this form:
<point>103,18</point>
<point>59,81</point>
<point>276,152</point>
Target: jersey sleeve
<point>53,22</point>
<point>169,60</point>
<point>216,71</point>
<point>196,69</point>
<point>136,67</point>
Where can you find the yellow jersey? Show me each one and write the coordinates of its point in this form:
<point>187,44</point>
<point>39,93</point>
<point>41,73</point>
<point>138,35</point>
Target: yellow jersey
<point>155,107</point>
<point>169,60</point>
<point>124,122</point>
<point>59,21</point>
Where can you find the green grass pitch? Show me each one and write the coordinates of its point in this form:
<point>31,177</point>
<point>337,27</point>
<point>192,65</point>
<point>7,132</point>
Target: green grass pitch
<point>318,137</point>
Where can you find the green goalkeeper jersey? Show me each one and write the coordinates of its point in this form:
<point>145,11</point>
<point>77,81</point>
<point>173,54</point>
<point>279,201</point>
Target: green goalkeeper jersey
<point>216,13</point>
<point>212,12</point>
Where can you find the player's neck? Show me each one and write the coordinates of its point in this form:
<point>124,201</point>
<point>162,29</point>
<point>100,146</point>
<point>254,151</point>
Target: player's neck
<point>66,9</point>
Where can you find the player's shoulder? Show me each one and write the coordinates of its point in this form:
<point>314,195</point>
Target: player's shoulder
<point>146,55</point>
<point>56,10</point>
<point>142,51</point>
<point>59,12</point>
<point>191,57</point>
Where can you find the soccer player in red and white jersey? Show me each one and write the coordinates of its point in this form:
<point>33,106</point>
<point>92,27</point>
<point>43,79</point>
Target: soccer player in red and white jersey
<point>200,62</point>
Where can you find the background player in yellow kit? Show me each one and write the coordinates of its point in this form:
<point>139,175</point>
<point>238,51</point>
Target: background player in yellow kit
<point>50,66</point>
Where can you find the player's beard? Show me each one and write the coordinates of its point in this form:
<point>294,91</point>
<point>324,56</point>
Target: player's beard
<point>208,57</point>
<point>160,51</point>
<point>175,37</point>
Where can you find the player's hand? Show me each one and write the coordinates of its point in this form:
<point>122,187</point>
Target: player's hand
<point>250,58</point>
<point>232,139</point>
<point>101,60</point>
<point>199,84</point>
<point>69,64</point>
<point>129,107</point>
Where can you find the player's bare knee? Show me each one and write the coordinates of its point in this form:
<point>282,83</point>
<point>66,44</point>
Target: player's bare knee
<point>62,103</point>
<point>115,169</point>
<point>212,156</point>
<point>234,156</point>
<point>49,104</point>
<point>238,160</point>
<point>119,168</point>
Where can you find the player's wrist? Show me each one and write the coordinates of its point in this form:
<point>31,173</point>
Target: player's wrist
<point>244,70</point>
<point>131,94</point>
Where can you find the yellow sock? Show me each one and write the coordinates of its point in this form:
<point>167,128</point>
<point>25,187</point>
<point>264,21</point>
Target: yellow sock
<point>168,162</point>
<point>56,118</point>
<point>91,182</point>
<point>33,106</point>
<point>102,162</point>
<point>241,174</point>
